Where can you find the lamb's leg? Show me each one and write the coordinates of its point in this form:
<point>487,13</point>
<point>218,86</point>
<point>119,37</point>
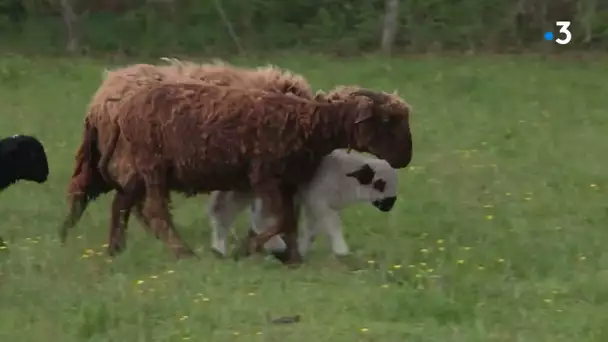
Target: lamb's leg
<point>223,208</point>
<point>307,233</point>
<point>156,210</point>
<point>328,220</point>
<point>333,227</point>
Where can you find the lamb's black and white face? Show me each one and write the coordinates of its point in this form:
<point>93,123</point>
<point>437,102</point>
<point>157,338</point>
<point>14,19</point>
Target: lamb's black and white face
<point>379,183</point>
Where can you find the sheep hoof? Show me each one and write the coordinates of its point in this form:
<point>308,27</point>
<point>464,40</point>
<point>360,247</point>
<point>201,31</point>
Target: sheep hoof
<point>293,260</point>
<point>184,253</point>
<point>293,264</point>
<point>63,234</point>
<point>281,256</point>
<point>114,249</point>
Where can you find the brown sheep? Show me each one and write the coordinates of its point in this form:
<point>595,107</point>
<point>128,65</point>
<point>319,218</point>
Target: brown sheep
<point>86,183</point>
<point>197,137</point>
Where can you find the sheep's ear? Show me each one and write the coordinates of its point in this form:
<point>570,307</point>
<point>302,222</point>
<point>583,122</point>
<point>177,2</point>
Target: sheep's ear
<point>364,111</point>
<point>380,185</point>
<point>364,175</point>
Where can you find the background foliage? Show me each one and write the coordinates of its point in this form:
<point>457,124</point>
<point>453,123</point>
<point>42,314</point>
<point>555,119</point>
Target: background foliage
<point>335,26</point>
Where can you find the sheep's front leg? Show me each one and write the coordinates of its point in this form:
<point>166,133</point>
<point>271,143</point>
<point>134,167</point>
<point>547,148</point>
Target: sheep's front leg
<point>259,223</point>
<point>121,210</point>
<point>156,211</point>
<point>282,219</point>
<point>224,206</point>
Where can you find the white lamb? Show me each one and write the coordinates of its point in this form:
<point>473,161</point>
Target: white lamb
<point>342,179</point>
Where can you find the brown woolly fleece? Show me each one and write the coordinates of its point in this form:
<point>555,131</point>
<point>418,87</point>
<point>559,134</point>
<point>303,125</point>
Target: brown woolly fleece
<point>118,85</point>
<point>196,137</point>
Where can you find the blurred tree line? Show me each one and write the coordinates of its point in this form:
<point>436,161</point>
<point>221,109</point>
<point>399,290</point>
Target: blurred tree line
<point>335,26</point>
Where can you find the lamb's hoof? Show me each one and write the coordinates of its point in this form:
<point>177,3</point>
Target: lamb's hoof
<point>218,254</point>
<point>242,251</point>
<point>352,262</point>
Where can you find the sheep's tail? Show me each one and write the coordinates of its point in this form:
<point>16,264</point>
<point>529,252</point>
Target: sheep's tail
<point>84,157</point>
<point>84,184</point>
<point>104,161</point>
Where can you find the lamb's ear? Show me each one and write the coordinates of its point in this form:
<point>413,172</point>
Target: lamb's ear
<point>380,185</point>
<point>364,175</point>
<point>364,111</point>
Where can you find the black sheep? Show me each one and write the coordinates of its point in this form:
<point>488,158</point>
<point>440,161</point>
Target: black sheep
<point>22,157</point>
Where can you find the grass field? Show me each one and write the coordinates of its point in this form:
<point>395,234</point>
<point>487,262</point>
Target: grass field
<point>499,234</point>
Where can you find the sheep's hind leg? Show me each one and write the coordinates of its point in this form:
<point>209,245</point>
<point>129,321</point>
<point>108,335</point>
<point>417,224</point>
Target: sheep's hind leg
<point>156,211</point>
<point>82,190</point>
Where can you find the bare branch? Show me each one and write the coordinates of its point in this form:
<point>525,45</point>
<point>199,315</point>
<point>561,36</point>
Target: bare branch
<point>390,25</point>
<point>231,32</point>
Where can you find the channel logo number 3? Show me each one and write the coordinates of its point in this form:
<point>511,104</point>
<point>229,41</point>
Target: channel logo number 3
<point>563,31</point>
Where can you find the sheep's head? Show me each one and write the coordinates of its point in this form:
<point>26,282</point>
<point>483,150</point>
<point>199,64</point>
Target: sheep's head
<point>382,126</point>
<point>26,156</point>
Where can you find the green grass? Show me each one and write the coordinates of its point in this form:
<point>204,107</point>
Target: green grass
<point>499,233</point>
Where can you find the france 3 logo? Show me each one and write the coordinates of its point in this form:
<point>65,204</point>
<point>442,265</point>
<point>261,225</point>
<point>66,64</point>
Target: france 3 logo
<point>564,36</point>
